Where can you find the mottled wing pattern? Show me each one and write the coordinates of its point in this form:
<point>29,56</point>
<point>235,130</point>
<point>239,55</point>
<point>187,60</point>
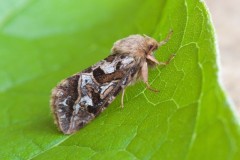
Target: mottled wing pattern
<point>80,98</point>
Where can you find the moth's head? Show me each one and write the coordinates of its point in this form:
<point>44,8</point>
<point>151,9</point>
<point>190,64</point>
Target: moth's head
<point>151,46</point>
<point>139,46</point>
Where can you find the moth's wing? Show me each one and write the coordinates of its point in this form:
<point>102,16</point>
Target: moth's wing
<point>80,98</point>
<point>63,98</point>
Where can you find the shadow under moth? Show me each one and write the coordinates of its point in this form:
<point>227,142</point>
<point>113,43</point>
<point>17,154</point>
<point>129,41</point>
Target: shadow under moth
<point>80,98</point>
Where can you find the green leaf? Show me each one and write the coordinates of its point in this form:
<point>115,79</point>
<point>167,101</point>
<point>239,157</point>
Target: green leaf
<point>42,42</point>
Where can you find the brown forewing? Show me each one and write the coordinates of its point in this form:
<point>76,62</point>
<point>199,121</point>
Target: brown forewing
<point>81,97</point>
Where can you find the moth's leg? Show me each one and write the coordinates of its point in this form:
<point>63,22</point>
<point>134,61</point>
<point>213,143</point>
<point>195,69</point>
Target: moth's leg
<point>150,88</point>
<point>168,61</point>
<point>166,39</point>
<point>122,99</point>
<point>144,74</point>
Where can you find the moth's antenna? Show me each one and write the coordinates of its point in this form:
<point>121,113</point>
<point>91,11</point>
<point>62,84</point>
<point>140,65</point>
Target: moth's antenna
<point>146,36</point>
<point>166,39</point>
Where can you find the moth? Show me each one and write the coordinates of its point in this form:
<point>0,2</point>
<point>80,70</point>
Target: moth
<point>77,100</point>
